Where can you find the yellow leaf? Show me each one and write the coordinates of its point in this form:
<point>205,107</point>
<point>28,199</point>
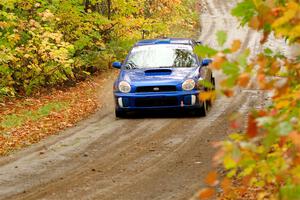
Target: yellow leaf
<point>295,32</point>
<point>282,104</point>
<point>3,25</point>
<point>257,3</point>
<point>289,14</point>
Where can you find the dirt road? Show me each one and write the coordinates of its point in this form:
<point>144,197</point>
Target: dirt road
<point>147,158</point>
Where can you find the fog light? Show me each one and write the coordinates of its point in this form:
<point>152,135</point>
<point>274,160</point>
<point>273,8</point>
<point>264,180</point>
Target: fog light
<point>123,102</point>
<point>120,101</point>
<point>194,99</point>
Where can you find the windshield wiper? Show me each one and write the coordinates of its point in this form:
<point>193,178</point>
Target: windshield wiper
<point>166,67</point>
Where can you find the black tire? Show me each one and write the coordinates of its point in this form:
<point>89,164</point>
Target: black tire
<point>120,114</point>
<point>203,110</point>
<point>213,81</point>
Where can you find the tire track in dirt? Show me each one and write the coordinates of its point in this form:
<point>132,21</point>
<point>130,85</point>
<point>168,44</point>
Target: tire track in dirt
<point>155,164</point>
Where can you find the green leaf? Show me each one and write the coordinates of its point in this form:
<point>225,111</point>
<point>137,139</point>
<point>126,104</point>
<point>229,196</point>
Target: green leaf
<point>244,10</point>
<point>221,37</point>
<point>230,69</point>
<point>268,51</point>
<point>206,84</point>
<point>231,81</point>
<point>227,51</point>
<point>242,58</point>
<point>290,192</point>
<point>267,28</point>
<point>205,51</point>
<point>269,140</point>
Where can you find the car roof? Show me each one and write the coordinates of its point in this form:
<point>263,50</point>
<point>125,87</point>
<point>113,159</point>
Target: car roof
<point>182,41</point>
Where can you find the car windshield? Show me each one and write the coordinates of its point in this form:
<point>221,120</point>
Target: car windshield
<point>161,56</point>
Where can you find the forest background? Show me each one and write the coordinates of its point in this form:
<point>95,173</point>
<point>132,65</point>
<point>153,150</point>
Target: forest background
<point>46,43</point>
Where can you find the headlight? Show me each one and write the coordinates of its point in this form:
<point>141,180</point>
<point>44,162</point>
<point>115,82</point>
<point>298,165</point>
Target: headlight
<point>124,87</point>
<point>188,85</point>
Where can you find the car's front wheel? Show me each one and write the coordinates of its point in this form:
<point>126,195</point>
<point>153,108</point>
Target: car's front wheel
<point>203,110</point>
<point>120,113</point>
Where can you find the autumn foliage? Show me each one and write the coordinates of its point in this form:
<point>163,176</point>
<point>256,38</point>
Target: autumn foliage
<point>264,161</point>
<point>49,43</point>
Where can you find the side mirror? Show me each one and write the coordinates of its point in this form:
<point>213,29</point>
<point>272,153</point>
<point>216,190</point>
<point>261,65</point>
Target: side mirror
<point>117,65</point>
<point>199,42</point>
<point>206,62</point>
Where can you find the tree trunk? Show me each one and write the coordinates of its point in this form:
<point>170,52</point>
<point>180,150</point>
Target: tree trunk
<point>86,5</point>
<point>109,9</point>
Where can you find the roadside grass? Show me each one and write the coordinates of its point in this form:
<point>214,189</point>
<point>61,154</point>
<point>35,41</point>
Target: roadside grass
<point>26,121</point>
<point>16,120</point>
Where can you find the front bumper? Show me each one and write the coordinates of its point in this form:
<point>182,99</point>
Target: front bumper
<point>155,100</point>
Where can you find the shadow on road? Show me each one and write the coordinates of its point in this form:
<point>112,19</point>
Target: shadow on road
<point>161,114</point>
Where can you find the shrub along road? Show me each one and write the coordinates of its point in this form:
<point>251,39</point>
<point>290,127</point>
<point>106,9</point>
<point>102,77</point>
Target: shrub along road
<point>149,157</point>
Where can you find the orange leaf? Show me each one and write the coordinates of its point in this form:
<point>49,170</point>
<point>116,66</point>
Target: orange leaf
<point>296,160</point>
<point>218,60</point>
<point>252,126</point>
<point>275,67</point>
<point>243,80</point>
<point>206,193</point>
<point>226,184</point>
<point>246,180</point>
<point>282,141</point>
<point>262,113</point>
<point>255,23</point>
<point>236,45</point>
<point>295,138</point>
<point>204,96</point>
<point>276,11</point>
<point>242,190</point>
<point>261,78</point>
<point>211,179</point>
<point>228,93</point>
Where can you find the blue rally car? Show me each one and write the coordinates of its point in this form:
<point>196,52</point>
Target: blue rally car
<point>162,74</point>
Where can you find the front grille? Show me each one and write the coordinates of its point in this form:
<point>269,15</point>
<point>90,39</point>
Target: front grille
<point>156,89</point>
<point>156,102</point>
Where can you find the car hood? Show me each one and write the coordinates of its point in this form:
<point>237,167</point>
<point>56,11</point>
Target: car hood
<point>163,75</point>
